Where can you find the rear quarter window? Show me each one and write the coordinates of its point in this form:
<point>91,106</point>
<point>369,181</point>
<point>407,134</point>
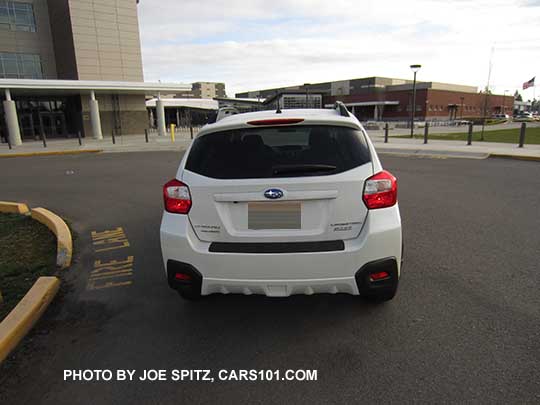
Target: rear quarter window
<point>293,151</point>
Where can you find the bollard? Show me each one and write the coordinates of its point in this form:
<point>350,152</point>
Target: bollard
<point>469,135</point>
<point>44,139</point>
<point>113,139</point>
<point>80,139</point>
<point>522,135</point>
<point>386,133</point>
<point>426,131</point>
<point>172,132</point>
<point>191,131</point>
<point>146,134</point>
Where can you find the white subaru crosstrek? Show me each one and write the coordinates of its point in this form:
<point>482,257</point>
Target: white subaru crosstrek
<point>280,203</point>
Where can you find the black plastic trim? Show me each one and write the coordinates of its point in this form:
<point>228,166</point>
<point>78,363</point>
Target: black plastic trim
<point>174,267</point>
<point>278,247</point>
<point>367,287</point>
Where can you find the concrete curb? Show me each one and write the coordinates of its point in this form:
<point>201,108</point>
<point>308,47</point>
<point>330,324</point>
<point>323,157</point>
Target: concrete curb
<point>518,157</point>
<point>57,225</point>
<point>13,208</point>
<point>27,312</point>
<point>52,153</point>
<point>431,153</point>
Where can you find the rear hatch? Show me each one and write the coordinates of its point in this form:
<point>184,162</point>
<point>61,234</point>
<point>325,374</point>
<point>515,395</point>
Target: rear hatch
<point>294,183</point>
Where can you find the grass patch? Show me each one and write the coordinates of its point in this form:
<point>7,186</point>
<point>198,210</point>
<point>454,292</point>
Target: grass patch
<point>532,136</point>
<point>28,251</point>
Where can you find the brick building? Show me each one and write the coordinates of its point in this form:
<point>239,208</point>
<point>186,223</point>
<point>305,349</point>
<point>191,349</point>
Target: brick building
<point>381,98</point>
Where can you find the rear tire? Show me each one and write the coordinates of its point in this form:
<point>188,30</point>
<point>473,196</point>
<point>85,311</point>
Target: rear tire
<point>190,294</point>
<point>381,297</point>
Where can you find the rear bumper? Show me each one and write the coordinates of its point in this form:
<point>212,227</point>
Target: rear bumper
<point>359,284</point>
<point>284,274</point>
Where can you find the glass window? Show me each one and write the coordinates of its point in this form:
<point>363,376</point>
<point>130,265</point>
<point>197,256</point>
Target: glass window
<point>17,16</point>
<point>294,151</point>
<point>20,66</point>
<point>4,13</point>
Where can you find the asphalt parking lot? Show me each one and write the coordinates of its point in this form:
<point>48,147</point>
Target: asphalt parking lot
<point>464,327</point>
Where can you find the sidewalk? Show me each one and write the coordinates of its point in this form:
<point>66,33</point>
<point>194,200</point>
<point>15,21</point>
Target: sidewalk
<point>126,143</point>
<point>478,150</point>
<point>404,146</point>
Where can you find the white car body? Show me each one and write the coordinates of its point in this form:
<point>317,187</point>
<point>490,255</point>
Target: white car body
<point>216,237</point>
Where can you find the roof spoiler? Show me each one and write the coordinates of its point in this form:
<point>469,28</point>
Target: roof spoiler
<point>226,112</point>
<point>341,109</point>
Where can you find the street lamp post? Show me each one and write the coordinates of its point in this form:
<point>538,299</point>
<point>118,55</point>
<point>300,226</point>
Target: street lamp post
<point>306,85</point>
<point>415,69</point>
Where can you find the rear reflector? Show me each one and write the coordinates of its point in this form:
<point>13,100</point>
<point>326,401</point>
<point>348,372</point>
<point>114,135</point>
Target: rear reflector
<point>182,277</point>
<point>176,197</point>
<point>277,121</point>
<point>380,191</point>
<point>381,275</point>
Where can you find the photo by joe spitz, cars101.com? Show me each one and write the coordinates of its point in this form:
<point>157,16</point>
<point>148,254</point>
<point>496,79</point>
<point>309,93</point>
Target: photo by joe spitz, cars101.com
<point>279,203</point>
<point>269,202</point>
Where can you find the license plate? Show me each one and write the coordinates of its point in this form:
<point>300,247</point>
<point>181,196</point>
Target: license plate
<point>275,215</point>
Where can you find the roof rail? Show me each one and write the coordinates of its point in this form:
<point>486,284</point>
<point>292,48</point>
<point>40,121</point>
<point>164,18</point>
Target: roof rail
<point>226,112</point>
<point>341,108</point>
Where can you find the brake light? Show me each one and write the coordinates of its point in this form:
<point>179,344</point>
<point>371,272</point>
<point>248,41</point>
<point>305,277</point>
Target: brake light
<point>277,121</point>
<point>380,191</point>
<point>176,197</point>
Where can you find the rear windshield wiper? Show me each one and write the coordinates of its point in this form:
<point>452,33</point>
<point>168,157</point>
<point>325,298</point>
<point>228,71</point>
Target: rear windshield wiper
<point>302,168</point>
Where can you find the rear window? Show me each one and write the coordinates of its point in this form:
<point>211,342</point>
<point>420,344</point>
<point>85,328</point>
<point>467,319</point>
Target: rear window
<point>278,152</point>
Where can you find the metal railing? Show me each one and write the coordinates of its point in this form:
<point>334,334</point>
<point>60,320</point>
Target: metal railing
<point>521,140</point>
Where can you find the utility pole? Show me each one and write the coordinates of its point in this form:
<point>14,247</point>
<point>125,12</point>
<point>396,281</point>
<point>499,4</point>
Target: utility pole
<point>306,85</point>
<point>415,69</point>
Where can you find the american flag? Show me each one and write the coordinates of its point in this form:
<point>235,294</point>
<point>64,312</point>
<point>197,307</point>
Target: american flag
<point>528,84</point>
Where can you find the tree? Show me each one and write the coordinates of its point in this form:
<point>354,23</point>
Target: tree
<point>517,96</point>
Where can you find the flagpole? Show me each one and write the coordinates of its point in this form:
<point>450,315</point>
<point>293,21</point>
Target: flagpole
<point>487,93</point>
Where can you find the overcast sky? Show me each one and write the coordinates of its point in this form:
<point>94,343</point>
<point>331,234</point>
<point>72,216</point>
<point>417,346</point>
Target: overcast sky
<point>254,44</point>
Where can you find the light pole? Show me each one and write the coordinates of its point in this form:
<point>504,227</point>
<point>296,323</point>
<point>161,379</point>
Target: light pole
<point>306,85</point>
<point>504,102</point>
<point>415,69</point>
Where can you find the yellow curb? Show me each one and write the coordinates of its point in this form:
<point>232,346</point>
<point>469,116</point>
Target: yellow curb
<point>519,157</point>
<point>13,208</point>
<point>21,319</point>
<point>57,225</point>
<point>61,152</point>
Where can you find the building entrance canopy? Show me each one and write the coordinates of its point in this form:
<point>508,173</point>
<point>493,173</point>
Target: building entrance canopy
<point>57,88</point>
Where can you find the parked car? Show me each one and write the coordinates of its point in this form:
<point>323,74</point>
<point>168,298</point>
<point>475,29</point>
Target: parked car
<point>524,117</point>
<point>280,203</point>
<point>501,116</point>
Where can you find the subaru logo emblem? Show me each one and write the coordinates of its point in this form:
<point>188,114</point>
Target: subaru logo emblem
<point>273,194</point>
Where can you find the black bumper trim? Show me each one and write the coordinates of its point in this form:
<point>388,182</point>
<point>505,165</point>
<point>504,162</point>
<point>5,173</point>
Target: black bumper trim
<point>174,267</point>
<point>289,247</point>
<point>367,287</point>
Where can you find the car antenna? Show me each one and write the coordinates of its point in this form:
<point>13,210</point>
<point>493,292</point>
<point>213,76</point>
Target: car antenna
<point>278,111</point>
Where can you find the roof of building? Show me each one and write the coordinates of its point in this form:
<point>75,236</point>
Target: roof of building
<point>240,100</point>
<point>366,103</point>
<point>375,82</point>
<point>199,103</point>
<point>86,86</point>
